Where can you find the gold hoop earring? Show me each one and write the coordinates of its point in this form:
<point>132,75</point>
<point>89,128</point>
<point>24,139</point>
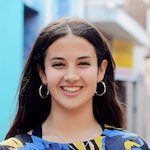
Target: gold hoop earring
<point>42,90</point>
<point>104,90</point>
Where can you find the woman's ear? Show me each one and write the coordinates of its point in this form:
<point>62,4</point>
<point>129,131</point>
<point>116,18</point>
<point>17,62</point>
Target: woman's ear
<point>41,74</point>
<point>101,70</point>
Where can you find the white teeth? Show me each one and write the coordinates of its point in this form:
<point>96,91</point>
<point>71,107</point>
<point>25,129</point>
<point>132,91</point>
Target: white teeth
<point>71,89</point>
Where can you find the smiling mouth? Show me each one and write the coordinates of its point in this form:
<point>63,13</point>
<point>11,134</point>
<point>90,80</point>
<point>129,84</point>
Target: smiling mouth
<point>71,89</point>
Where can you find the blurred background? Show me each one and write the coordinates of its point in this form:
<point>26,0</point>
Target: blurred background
<point>126,24</point>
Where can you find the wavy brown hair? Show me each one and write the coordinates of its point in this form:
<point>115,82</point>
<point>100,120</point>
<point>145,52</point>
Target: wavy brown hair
<point>32,110</point>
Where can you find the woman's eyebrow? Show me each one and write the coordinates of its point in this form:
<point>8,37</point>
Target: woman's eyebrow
<point>83,57</point>
<point>60,58</point>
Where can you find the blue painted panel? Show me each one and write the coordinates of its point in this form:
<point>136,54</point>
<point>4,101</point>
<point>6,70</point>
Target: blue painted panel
<point>63,8</point>
<point>31,29</point>
<point>11,49</point>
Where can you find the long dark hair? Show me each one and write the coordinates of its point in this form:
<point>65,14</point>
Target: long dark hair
<point>32,110</point>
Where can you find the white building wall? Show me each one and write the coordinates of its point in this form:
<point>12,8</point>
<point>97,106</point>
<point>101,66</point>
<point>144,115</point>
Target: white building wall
<point>138,97</point>
<point>129,107</point>
<point>147,98</point>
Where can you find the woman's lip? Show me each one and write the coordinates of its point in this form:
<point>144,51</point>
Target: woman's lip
<point>71,86</point>
<point>62,87</point>
<point>71,93</point>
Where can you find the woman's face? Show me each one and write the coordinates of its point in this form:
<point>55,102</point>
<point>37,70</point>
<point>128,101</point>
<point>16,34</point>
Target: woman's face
<point>71,72</point>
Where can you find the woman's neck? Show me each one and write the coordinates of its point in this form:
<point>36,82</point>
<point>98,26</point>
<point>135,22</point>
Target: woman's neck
<point>72,125</point>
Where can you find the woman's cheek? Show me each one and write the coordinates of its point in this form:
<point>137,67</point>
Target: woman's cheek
<point>53,77</point>
<point>89,74</point>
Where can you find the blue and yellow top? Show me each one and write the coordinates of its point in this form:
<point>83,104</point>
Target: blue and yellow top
<point>111,139</point>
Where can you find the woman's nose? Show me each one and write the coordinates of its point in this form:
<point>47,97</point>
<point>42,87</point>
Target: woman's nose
<point>71,75</point>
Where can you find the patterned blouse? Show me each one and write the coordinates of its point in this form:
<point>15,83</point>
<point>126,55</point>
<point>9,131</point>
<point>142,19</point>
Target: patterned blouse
<point>111,139</point>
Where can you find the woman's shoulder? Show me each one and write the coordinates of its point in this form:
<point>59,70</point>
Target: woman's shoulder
<point>122,138</point>
<point>15,142</point>
<point>11,143</point>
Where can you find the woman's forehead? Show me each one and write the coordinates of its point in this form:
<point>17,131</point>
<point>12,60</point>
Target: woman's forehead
<point>71,45</point>
<point>71,42</point>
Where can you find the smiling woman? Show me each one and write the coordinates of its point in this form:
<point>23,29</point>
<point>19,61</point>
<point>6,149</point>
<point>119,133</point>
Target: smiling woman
<point>71,73</point>
<point>67,98</point>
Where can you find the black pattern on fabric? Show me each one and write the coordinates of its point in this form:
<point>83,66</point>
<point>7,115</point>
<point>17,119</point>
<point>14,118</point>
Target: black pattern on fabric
<point>111,139</point>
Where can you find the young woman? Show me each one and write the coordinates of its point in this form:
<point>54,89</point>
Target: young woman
<point>67,97</point>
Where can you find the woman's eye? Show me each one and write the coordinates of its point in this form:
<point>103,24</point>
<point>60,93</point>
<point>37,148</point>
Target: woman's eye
<point>84,63</point>
<point>58,65</point>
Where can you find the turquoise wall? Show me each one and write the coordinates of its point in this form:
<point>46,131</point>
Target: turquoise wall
<point>11,52</point>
